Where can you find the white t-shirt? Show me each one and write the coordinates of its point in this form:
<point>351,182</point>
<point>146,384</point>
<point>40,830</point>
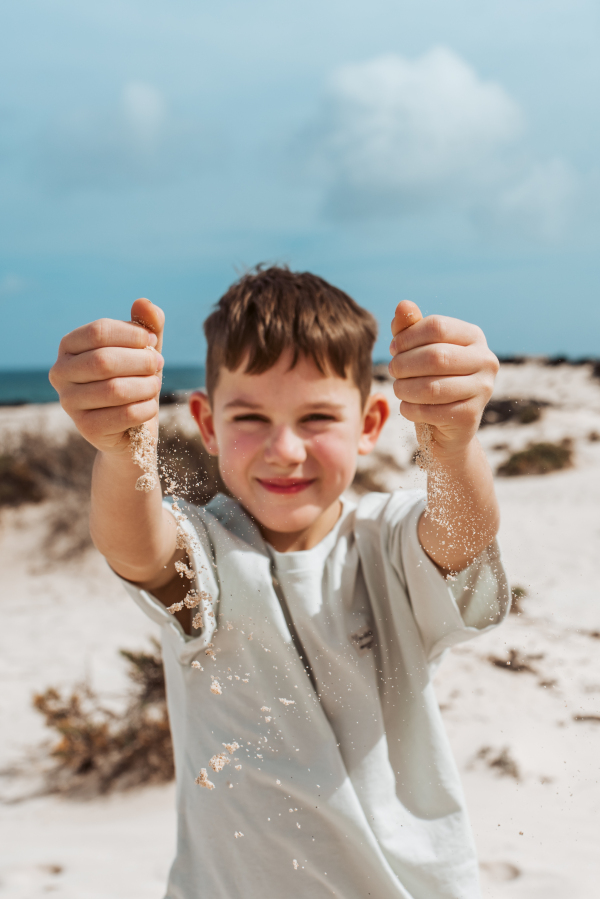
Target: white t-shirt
<point>348,788</point>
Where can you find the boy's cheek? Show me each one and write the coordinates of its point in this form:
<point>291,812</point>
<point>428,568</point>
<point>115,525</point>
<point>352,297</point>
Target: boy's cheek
<point>235,455</point>
<point>336,455</point>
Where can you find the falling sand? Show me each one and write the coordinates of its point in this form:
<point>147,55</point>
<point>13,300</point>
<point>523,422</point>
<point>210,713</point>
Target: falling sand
<point>203,781</point>
<point>143,448</point>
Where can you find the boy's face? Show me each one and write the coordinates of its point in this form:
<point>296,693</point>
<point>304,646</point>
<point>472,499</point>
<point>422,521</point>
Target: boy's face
<point>287,441</point>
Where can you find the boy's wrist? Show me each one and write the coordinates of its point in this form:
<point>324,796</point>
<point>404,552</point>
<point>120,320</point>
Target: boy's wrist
<point>454,453</point>
<point>117,465</point>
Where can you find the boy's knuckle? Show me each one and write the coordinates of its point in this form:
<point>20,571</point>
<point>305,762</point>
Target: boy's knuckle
<point>103,362</point>
<point>400,342</point>
<point>487,390</point>
<point>440,357</point>
<point>479,334</point>
<point>99,331</point>
<point>149,363</point>
<point>399,389</point>
<point>108,391</point>
<point>438,328</point>
<point>493,363</point>
<point>395,367</point>
<point>53,376</point>
<point>130,414</point>
<point>435,389</point>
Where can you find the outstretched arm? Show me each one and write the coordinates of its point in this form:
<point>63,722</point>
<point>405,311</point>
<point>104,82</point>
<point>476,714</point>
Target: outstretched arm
<point>108,378</point>
<point>445,375</point>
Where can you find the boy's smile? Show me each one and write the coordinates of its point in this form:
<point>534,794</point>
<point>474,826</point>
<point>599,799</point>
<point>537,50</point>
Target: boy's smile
<point>286,486</point>
<point>287,441</point>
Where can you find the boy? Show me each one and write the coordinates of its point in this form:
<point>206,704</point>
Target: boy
<point>307,687</point>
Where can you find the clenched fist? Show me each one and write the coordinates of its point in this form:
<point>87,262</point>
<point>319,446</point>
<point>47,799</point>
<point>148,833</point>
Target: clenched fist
<point>108,376</point>
<point>444,374</point>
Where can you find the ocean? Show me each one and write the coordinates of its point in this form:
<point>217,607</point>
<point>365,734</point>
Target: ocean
<point>18,388</point>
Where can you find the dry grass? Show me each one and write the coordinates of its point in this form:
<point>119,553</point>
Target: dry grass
<point>517,596</point>
<point>39,469</point>
<point>515,662</point>
<point>500,761</point>
<point>539,458</point>
<point>520,411</point>
<point>99,750</point>
<point>184,459</point>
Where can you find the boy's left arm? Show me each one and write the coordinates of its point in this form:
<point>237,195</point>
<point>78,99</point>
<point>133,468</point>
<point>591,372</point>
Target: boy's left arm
<point>445,375</point>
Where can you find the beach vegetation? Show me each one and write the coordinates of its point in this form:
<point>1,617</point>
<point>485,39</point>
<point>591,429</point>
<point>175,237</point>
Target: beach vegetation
<point>100,750</point>
<point>517,596</point>
<point>519,411</point>
<point>538,458</point>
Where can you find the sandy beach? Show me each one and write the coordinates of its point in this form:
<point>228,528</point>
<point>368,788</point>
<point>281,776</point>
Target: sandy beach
<point>526,736</point>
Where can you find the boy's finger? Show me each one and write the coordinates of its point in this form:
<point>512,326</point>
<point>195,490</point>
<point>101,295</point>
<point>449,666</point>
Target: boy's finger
<point>456,415</point>
<point>436,329</point>
<point>151,317</point>
<point>117,419</point>
<point>107,362</point>
<point>407,314</point>
<point>113,392</point>
<point>104,332</point>
<point>437,359</point>
<point>438,391</point>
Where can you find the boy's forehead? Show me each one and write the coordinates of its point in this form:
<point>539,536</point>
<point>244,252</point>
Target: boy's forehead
<point>303,383</point>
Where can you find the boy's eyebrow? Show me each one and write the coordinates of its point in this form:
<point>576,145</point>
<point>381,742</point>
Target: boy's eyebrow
<point>249,404</point>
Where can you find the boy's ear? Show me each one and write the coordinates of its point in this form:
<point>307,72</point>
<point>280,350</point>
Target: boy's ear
<point>202,414</point>
<point>377,411</point>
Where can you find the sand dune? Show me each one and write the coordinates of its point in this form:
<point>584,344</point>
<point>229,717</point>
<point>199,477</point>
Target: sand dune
<point>526,736</point>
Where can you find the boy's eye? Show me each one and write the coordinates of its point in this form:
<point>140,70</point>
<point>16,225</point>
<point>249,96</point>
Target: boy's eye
<point>250,416</point>
<point>319,416</point>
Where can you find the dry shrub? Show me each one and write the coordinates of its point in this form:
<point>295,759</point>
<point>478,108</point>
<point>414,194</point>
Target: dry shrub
<point>18,483</point>
<point>521,411</point>
<point>539,458</point>
<point>502,762</point>
<point>183,459</point>
<point>517,595</point>
<point>38,468</point>
<point>515,662</point>
<point>100,750</point>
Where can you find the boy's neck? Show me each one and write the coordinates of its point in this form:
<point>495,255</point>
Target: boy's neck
<point>308,538</point>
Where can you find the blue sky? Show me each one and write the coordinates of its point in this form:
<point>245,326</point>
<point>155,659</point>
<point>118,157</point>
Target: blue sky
<point>442,152</point>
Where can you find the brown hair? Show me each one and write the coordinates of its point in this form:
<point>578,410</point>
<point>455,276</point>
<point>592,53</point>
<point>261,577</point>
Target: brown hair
<point>273,309</point>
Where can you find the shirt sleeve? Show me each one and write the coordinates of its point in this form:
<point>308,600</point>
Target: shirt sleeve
<point>205,582</point>
<point>448,610</point>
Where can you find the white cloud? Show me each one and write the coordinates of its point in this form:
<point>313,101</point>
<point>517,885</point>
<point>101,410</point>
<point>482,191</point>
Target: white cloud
<point>137,141</point>
<point>399,133</point>
<point>396,136</point>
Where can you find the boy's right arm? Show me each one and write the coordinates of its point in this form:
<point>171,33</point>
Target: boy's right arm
<point>108,378</point>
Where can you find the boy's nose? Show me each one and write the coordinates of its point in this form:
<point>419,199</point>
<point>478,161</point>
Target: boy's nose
<point>285,448</point>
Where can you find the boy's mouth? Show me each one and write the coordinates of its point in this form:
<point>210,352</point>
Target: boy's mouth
<point>285,485</point>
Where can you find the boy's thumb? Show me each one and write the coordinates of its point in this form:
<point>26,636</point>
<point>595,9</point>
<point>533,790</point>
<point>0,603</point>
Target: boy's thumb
<point>145,313</point>
<point>407,314</point>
